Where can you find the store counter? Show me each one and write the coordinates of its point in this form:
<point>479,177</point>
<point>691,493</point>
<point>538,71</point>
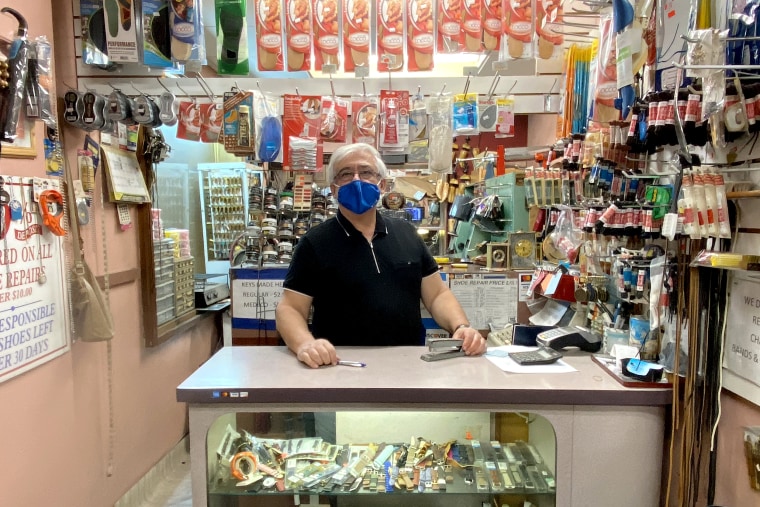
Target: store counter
<point>609,438</point>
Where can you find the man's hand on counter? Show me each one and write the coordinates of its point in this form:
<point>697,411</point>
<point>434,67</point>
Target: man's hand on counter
<point>316,353</point>
<point>473,343</point>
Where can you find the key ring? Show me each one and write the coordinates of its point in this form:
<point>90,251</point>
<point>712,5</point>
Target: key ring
<point>52,220</point>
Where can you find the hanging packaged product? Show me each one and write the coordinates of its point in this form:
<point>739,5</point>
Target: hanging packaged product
<point>237,126</point>
<point>268,129</point>
<point>394,120</point>
<point>418,130</point>
<point>298,16</point>
<point>472,26</point>
<point>441,134</point>
<point>505,116</point>
<point>39,82</point>
<point>156,47</point>
<point>231,37</point>
<point>519,21</point>
<point>187,33</point>
<point>488,110</point>
<point>326,35</point>
<point>269,34</point>
<point>493,24</point>
<point>334,119</point>
<point>211,121</point>
<point>301,125</point>
<point>465,113</point>
<point>356,19</point>
<point>364,119</point>
<point>549,15</point>
<point>121,31</point>
<point>12,94</point>
<point>606,73</point>
<point>419,47</point>
<point>390,35</point>
<point>450,33</point>
<point>189,121</point>
<point>94,49</point>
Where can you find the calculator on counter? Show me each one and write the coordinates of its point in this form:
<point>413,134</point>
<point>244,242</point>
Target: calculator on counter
<point>543,355</point>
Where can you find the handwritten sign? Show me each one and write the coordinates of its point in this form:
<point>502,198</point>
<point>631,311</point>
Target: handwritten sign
<point>255,296</point>
<point>486,298</point>
<point>742,348</point>
<point>125,181</point>
<point>34,324</point>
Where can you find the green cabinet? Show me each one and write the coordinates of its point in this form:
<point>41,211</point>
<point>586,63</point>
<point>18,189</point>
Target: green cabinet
<point>473,233</point>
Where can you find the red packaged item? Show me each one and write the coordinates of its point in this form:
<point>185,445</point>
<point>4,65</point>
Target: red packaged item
<point>211,122</point>
<point>269,34</point>
<point>301,120</point>
<point>548,31</point>
<point>298,15</point>
<point>189,121</point>
<point>492,24</point>
<point>450,34</point>
<point>519,28</point>
<point>390,35</point>
<point>326,34</point>
<point>364,120</point>
<point>394,115</point>
<point>472,26</point>
<point>334,119</point>
<point>356,34</point>
<point>419,47</point>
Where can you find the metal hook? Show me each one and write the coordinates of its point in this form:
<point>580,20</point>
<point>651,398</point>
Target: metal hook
<point>163,85</point>
<point>467,83</point>
<point>206,88</point>
<point>332,85</point>
<point>364,88</point>
<point>494,83</point>
<point>297,93</point>
<point>443,88</point>
<point>556,80</point>
<point>184,93</point>
<point>512,87</point>
<point>138,91</point>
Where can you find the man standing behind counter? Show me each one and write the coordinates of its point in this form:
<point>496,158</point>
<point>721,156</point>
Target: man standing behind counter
<point>364,274</point>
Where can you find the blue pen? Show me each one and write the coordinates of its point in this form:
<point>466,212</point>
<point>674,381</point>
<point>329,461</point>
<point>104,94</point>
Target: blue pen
<point>355,364</point>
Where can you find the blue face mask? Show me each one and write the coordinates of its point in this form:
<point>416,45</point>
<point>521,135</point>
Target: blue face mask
<point>358,196</point>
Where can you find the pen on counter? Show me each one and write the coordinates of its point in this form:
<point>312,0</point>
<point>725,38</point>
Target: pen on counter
<point>355,364</point>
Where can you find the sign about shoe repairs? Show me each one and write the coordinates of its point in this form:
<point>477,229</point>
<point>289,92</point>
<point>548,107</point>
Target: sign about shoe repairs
<point>741,353</point>
<point>34,324</point>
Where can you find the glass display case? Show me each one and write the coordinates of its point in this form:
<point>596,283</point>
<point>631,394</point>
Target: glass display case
<point>381,458</point>
<point>558,434</point>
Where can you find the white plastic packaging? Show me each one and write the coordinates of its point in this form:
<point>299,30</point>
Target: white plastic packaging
<point>698,196</point>
<point>712,204</point>
<point>724,225</point>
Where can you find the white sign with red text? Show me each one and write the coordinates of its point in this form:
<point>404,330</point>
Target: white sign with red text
<point>34,325</point>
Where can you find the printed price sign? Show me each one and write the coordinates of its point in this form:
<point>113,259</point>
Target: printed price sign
<point>742,349</point>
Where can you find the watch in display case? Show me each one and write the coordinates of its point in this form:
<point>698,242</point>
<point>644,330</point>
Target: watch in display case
<point>522,250</point>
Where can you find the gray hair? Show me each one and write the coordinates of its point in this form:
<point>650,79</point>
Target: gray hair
<point>350,149</point>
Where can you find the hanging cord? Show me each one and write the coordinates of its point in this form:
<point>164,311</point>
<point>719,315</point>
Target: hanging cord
<point>109,343</point>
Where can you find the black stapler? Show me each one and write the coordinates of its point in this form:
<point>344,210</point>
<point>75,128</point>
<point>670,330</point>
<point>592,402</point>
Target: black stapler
<point>443,348</point>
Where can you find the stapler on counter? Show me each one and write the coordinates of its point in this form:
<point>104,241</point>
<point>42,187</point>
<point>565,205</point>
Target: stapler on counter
<point>443,348</point>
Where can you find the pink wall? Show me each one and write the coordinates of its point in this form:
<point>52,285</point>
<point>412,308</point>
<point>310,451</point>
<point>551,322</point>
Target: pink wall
<point>732,488</point>
<point>54,423</point>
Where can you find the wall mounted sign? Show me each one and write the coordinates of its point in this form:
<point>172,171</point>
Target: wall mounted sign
<point>34,323</point>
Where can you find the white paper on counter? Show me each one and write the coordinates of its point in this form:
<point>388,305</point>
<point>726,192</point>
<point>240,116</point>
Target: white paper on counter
<point>499,357</point>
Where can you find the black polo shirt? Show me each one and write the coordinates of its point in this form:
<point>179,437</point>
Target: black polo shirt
<point>364,294</point>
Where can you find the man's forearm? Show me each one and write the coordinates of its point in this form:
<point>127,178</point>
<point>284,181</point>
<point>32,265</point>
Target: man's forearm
<point>447,312</point>
<point>292,327</point>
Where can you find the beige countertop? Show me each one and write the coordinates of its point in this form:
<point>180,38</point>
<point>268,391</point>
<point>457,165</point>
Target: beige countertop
<point>397,376</point>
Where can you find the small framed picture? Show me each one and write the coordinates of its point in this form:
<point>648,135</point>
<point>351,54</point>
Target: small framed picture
<point>23,146</point>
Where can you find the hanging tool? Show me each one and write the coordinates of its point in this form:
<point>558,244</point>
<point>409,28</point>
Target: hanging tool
<point>12,97</point>
<point>51,207</point>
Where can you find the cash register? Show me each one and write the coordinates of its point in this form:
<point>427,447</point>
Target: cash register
<point>210,288</point>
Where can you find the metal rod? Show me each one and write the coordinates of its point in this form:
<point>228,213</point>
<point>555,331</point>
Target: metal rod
<point>716,67</point>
